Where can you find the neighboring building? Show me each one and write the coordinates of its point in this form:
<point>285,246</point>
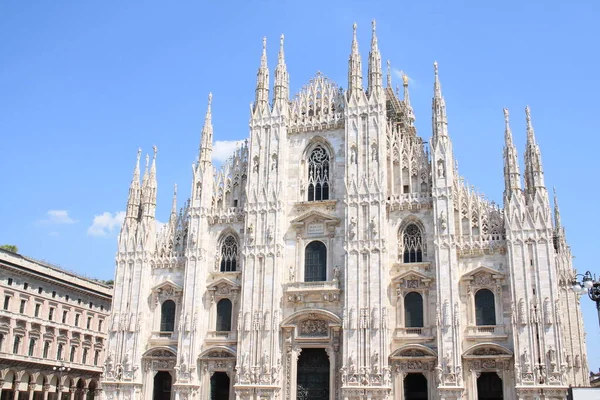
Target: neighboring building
<point>338,255</point>
<point>53,327</point>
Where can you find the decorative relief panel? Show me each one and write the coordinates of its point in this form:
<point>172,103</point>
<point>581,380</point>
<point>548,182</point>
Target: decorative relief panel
<point>313,328</point>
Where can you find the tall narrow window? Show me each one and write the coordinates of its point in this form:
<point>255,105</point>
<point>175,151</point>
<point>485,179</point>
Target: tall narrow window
<point>315,262</point>
<point>72,356</point>
<point>318,174</point>
<point>224,315</point>
<point>229,253</point>
<point>31,347</point>
<point>6,302</point>
<point>59,351</point>
<point>51,313</point>
<point>96,357</point>
<point>16,344</point>
<point>167,316</point>
<point>485,307</point>
<point>100,325</point>
<point>64,318</point>
<point>37,309</point>
<point>46,349</point>
<point>412,243</point>
<point>22,307</point>
<point>77,320</point>
<point>413,310</point>
<point>89,323</point>
<point>84,356</point>
<point>1,341</point>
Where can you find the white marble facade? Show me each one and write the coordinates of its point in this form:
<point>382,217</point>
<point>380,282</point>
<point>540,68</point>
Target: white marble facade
<point>338,255</point>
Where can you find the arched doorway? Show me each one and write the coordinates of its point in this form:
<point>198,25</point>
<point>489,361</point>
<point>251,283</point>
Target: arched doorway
<point>415,387</point>
<point>489,386</point>
<point>92,387</point>
<point>162,386</point>
<point>313,375</point>
<point>219,386</point>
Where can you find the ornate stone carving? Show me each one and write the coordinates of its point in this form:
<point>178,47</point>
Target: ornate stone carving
<point>313,327</point>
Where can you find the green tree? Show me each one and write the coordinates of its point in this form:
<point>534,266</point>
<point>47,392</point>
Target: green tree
<point>10,247</point>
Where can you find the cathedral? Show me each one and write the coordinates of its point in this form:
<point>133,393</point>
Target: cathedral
<point>339,255</point>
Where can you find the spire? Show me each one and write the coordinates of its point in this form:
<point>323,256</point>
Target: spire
<point>149,188</point>
<point>439,120</point>
<point>375,75</point>
<point>389,75</point>
<point>206,137</point>
<point>557,222</point>
<point>282,81</point>
<point>262,79</point>
<point>512,175</point>
<point>174,205</point>
<point>534,173</point>
<point>411,114</point>
<point>354,66</point>
<point>133,202</point>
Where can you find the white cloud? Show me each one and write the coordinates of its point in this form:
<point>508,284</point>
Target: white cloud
<point>58,217</point>
<point>223,149</point>
<point>106,223</point>
<point>159,225</point>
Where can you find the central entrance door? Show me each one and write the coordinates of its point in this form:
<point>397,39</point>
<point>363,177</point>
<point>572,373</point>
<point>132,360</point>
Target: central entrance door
<point>489,386</point>
<point>313,375</point>
<point>162,386</point>
<point>219,386</point>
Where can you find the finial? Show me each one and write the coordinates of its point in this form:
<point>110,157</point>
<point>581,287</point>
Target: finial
<point>209,99</point>
<point>505,115</point>
<point>528,116</point>
<point>354,30</point>
<point>435,68</point>
<point>281,41</point>
<point>139,153</point>
<point>264,43</point>
<point>147,161</point>
<point>373,26</point>
<point>155,150</point>
<point>389,74</point>
<point>405,79</point>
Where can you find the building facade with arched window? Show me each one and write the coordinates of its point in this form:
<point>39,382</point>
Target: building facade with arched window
<point>338,254</point>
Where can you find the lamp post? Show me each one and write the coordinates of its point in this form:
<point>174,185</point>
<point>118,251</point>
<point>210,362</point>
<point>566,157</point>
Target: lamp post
<point>589,285</point>
<point>60,368</point>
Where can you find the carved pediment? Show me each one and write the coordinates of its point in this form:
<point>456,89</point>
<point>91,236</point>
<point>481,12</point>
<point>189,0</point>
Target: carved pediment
<point>413,351</point>
<point>483,276</point>
<point>488,350</point>
<point>315,222</point>
<point>412,279</point>
<point>224,286</point>
<point>167,287</point>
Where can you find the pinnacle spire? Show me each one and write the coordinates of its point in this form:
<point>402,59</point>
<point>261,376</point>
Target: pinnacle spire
<point>534,173</point>
<point>557,221</point>
<point>281,87</point>
<point>375,75</point>
<point>354,65</point>
<point>389,75</point>
<point>133,201</point>
<point>512,175</point>
<point>206,137</point>
<point>262,78</point>
<point>149,187</point>
<point>439,119</point>
<point>174,204</point>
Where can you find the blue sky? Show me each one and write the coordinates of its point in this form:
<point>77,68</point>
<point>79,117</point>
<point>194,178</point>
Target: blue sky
<point>84,84</point>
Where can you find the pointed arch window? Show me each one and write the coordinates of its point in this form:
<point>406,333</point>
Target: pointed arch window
<point>315,262</point>
<point>412,244</point>
<point>224,307</point>
<point>318,174</point>
<point>485,307</point>
<point>229,254</point>
<point>413,310</point>
<point>167,316</point>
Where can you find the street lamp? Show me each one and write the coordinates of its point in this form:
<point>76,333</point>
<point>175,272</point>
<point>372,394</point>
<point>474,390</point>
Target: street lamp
<point>60,369</point>
<point>589,285</point>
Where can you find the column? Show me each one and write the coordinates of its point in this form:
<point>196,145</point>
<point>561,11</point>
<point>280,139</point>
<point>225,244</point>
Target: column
<point>16,389</point>
<point>72,390</point>
<point>46,389</point>
<point>1,386</point>
<point>31,388</point>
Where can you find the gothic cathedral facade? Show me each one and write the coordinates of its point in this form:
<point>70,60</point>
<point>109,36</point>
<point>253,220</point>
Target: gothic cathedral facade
<point>338,255</point>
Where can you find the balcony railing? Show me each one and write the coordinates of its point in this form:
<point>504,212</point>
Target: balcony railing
<point>477,331</point>
<point>414,333</point>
